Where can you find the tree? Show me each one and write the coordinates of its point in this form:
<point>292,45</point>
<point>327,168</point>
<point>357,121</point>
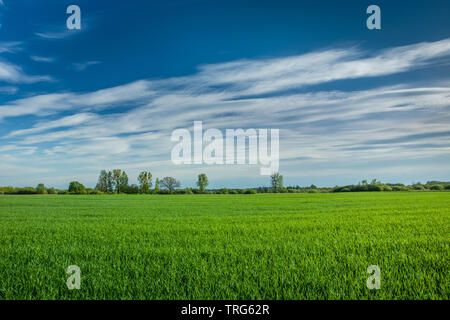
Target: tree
<point>123,182</point>
<point>110,182</point>
<point>40,189</point>
<point>77,188</point>
<point>102,183</point>
<point>157,185</point>
<point>145,181</point>
<point>277,181</point>
<point>170,183</point>
<point>116,174</point>
<point>202,182</point>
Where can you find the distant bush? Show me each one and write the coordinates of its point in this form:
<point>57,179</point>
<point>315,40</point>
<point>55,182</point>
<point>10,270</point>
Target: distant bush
<point>250,191</point>
<point>222,191</point>
<point>93,191</point>
<point>436,187</point>
<point>8,190</point>
<point>387,188</point>
<point>51,191</point>
<point>399,188</point>
<point>233,192</point>
<point>447,187</point>
<point>76,188</point>
<point>131,189</point>
<point>40,189</point>
<point>374,187</point>
<point>26,190</point>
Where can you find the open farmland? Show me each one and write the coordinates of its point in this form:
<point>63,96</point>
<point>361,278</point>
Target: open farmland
<point>265,246</point>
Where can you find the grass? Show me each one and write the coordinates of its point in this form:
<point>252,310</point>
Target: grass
<point>268,246</point>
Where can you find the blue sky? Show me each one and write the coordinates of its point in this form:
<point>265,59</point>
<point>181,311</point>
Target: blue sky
<point>350,103</point>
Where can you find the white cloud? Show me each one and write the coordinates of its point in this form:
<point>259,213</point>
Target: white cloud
<point>84,65</point>
<point>42,59</point>
<point>394,123</point>
<point>14,74</point>
<point>53,35</point>
<point>8,90</point>
<point>10,47</point>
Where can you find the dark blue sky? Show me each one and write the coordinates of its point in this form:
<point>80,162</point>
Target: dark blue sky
<point>52,75</point>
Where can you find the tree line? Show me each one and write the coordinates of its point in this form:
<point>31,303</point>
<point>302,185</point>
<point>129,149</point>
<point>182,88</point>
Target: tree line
<point>117,181</point>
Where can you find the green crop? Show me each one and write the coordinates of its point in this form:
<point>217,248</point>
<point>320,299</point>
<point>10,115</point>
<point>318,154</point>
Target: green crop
<point>264,246</point>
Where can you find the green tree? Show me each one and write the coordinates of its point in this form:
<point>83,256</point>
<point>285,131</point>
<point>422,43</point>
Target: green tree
<point>123,182</point>
<point>276,180</point>
<point>116,176</point>
<point>102,183</point>
<point>110,182</point>
<point>170,183</point>
<point>145,181</point>
<point>202,182</point>
<point>77,188</point>
<point>40,189</point>
<point>51,191</point>
<point>157,184</point>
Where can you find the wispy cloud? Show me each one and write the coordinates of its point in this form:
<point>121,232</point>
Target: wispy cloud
<point>83,65</point>
<point>8,90</point>
<point>10,47</point>
<point>14,74</point>
<point>53,35</point>
<point>42,59</point>
<point>380,124</point>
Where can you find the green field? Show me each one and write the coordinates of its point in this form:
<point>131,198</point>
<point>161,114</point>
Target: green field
<point>265,246</point>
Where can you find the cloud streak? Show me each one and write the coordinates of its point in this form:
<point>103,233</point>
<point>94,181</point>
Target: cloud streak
<point>131,123</point>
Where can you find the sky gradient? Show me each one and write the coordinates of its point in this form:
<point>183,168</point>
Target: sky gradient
<point>350,103</point>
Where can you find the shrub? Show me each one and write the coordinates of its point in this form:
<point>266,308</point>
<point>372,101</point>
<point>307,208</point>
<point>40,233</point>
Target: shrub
<point>40,189</point>
<point>436,187</point>
<point>51,191</point>
<point>76,188</point>
<point>251,191</point>
<point>359,188</point>
<point>26,190</point>
<point>8,190</point>
<point>387,188</point>
<point>374,187</point>
<point>399,188</point>
<point>131,189</point>
<point>447,187</point>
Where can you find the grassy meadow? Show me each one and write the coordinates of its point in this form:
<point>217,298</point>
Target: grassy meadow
<point>264,246</point>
